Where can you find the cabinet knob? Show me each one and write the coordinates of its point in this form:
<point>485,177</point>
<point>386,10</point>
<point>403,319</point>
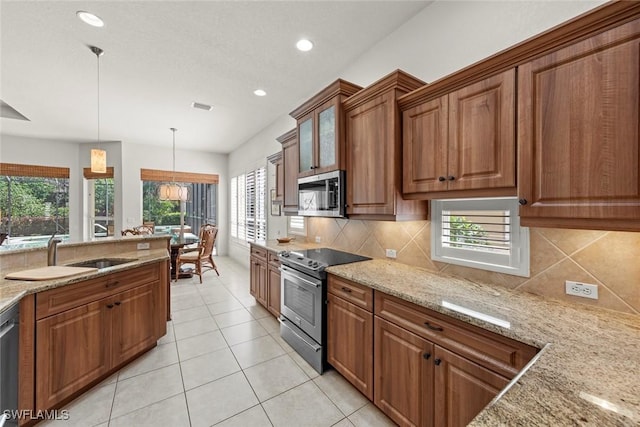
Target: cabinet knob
<point>451,178</point>
<point>433,328</point>
<point>346,289</point>
<point>310,167</point>
<point>117,303</point>
<point>437,362</point>
<point>109,305</point>
<point>522,202</point>
<point>426,355</point>
<point>441,178</point>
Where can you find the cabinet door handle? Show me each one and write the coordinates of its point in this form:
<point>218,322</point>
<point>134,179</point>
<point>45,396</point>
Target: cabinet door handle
<point>110,284</point>
<point>346,289</point>
<point>441,178</point>
<point>109,305</point>
<point>451,178</point>
<point>522,202</point>
<point>433,328</point>
<point>426,355</point>
<point>117,303</point>
<point>437,362</point>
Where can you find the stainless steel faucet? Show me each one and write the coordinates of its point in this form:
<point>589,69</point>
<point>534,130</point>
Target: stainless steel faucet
<point>52,250</point>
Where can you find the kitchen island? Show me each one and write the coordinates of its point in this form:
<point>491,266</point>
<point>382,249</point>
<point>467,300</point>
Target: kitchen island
<point>77,330</point>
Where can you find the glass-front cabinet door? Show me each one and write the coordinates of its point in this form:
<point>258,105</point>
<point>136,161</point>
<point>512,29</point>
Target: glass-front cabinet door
<point>327,137</point>
<point>305,144</point>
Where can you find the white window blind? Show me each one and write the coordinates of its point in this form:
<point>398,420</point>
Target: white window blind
<point>248,206</point>
<point>297,225</point>
<point>234,206</point>
<point>480,233</point>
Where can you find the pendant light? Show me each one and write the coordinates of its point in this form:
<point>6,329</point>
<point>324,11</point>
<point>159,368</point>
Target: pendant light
<point>98,156</point>
<point>173,191</point>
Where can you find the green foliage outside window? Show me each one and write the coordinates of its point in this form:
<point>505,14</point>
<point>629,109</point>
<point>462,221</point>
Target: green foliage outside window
<point>465,231</point>
<point>32,206</point>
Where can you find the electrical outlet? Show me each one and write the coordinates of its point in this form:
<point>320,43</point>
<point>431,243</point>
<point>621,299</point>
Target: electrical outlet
<point>391,253</point>
<point>318,239</point>
<point>584,290</point>
<point>144,245</point>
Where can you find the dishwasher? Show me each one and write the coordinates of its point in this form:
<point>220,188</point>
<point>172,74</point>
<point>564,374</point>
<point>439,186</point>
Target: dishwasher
<point>9,323</point>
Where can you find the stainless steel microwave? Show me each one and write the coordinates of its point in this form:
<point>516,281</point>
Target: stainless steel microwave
<point>322,195</point>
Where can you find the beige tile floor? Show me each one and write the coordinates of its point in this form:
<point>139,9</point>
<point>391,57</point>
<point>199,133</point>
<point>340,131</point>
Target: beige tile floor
<point>221,363</point>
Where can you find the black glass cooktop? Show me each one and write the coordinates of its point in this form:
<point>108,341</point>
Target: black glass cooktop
<point>326,257</point>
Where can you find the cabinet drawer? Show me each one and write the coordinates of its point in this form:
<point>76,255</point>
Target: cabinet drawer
<point>498,353</point>
<point>273,259</point>
<point>66,297</point>
<point>259,252</point>
<point>355,293</point>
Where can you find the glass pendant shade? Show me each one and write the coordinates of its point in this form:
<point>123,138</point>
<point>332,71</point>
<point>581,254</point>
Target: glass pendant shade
<point>173,192</point>
<point>98,161</point>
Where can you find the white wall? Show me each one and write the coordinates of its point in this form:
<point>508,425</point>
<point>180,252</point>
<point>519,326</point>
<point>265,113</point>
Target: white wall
<point>441,39</point>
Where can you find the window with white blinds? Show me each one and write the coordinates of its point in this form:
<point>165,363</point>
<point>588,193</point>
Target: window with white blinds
<point>480,233</point>
<point>297,225</point>
<point>248,206</point>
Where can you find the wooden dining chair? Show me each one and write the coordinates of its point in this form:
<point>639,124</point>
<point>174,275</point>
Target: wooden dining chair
<point>130,232</point>
<point>144,229</point>
<point>202,256</point>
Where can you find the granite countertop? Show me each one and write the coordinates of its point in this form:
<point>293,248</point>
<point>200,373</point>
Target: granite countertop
<point>587,373</point>
<point>11,291</point>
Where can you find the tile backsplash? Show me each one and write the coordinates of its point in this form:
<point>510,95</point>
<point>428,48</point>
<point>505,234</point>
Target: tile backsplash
<point>609,259</point>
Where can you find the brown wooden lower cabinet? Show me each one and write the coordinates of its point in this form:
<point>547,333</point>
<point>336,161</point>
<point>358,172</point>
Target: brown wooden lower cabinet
<point>462,388</point>
<point>264,280</point>
<point>273,291</point>
<point>258,280</point>
<point>403,369</point>
<point>70,352</point>
<point>75,347</point>
<point>350,342</point>
<point>424,369</point>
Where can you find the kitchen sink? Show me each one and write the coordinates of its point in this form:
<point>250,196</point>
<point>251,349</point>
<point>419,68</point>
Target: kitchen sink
<point>101,262</point>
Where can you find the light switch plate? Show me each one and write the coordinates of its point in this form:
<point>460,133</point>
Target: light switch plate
<point>144,245</point>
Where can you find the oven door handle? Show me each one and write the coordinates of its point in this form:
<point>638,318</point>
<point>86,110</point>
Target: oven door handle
<point>290,273</point>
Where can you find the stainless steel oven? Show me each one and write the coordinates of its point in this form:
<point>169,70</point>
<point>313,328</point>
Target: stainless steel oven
<point>301,321</point>
<point>303,300</point>
<point>9,321</point>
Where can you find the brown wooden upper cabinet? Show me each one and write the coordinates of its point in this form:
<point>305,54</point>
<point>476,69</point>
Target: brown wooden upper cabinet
<point>578,122</point>
<point>374,151</point>
<point>321,130</point>
<point>289,172</point>
<point>276,160</point>
<point>461,143</point>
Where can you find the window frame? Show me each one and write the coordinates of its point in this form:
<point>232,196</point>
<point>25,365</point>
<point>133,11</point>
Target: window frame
<point>516,263</point>
<point>295,230</point>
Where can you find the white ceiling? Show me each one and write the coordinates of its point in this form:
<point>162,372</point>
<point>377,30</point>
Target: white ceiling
<point>160,56</point>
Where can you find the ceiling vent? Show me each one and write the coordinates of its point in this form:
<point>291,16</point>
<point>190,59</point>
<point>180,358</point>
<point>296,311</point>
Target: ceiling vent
<point>9,112</point>
<point>201,106</point>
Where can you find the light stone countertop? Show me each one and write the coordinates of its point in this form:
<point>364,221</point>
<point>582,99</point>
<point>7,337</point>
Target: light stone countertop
<point>11,291</point>
<point>587,373</point>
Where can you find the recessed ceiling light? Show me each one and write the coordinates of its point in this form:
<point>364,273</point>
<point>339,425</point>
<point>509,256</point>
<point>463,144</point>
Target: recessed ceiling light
<point>259,92</point>
<point>304,45</point>
<point>90,18</point>
<point>201,106</point>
